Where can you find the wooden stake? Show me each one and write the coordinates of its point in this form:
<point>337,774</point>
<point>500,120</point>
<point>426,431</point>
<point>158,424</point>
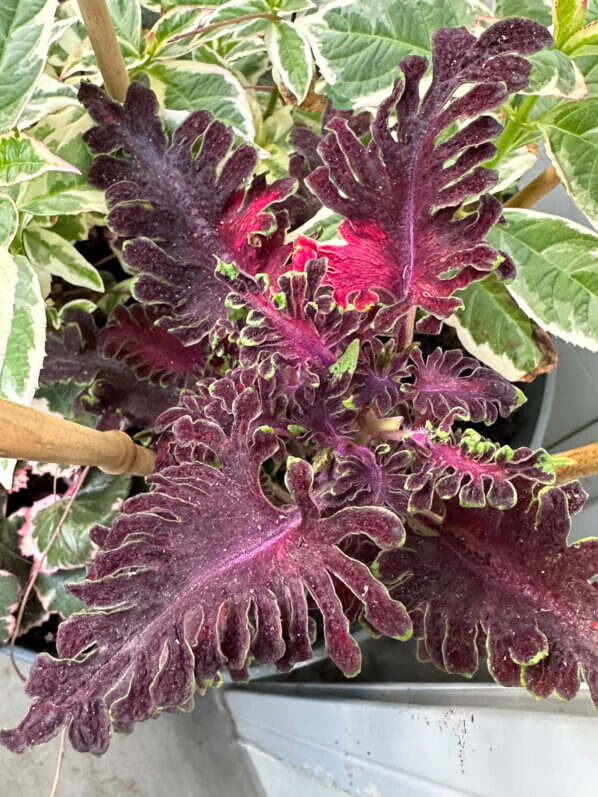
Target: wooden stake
<point>29,434</point>
<point>535,190</point>
<point>584,463</point>
<point>105,46</point>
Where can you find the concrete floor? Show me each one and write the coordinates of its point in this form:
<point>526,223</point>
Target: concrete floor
<point>184,755</point>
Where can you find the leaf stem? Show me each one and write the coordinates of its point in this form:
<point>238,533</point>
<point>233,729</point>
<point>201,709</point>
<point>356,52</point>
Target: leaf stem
<point>215,25</point>
<point>534,191</point>
<point>35,569</point>
<point>105,46</point>
<point>272,100</point>
<point>584,462</point>
<point>511,131</point>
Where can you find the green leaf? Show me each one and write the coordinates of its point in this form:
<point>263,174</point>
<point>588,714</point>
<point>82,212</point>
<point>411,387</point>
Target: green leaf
<point>509,343</point>
<point>9,275</point>
<point>347,362</point>
<point>60,398</point>
<point>23,158</point>
<point>25,27</point>
<point>189,85</point>
<point>291,57</point>
<point>586,59</point>
<point>97,502</point>
<point>50,253</point>
<point>586,36</point>
<point>25,348</point>
<point>49,95</point>
<point>126,18</point>
<point>567,16</point>
<point>175,22</point>
<point>571,136</point>
<point>532,9</point>
<point>51,593</point>
<point>232,10</point>
<point>9,220</point>
<point>10,592</point>
<point>57,193</point>
<point>358,48</point>
<point>554,74</point>
<point>557,273</point>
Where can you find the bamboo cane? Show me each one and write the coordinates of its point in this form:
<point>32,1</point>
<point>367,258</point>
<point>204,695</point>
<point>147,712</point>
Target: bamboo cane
<point>105,46</point>
<point>30,434</point>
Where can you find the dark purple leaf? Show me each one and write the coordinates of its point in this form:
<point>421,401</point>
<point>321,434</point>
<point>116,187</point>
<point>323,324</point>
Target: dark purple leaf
<point>508,575</point>
<point>178,211</point>
<point>199,574</point>
<point>400,194</point>
<point>449,380</point>
<point>476,470</point>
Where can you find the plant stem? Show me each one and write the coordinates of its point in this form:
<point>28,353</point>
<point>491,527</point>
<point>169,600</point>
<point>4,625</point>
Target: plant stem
<point>59,762</point>
<point>35,569</point>
<point>105,46</point>
<point>534,191</point>
<point>224,23</point>
<point>584,463</point>
<point>511,131</point>
<point>272,100</point>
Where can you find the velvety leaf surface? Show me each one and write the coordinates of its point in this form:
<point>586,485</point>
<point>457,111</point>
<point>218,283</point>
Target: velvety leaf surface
<point>113,386</point>
<point>179,210</point>
<point>201,573</point>
<point>511,576</point>
<point>400,194</point>
<point>301,324</point>
<point>478,471</point>
<point>449,380</point>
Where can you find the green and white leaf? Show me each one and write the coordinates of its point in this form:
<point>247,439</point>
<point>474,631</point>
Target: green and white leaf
<point>9,276</point>
<point>25,27</point>
<point>567,17</point>
<point>557,273</point>
<point>586,36</point>
<point>51,254</point>
<point>185,86</point>
<point>571,136</point>
<point>540,10</point>
<point>290,54</point>
<point>9,221</point>
<point>58,194</point>
<point>10,593</point>
<point>98,500</point>
<point>59,398</point>
<point>232,10</point>
<point>357,47</point>
<point>25,348</point>
<point>554,74</point>
<point>51,593</point>
<point>23,158</point>
<point>586,59</point>
<point>50,95</point>
<point>126,18</point>
<point>495,330</point>
<point>176,22</point>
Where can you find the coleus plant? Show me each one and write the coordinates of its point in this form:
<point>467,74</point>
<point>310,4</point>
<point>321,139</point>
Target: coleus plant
<point>313,453</point>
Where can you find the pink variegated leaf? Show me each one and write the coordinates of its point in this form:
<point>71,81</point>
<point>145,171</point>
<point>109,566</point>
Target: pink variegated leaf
<point>402,196</point>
